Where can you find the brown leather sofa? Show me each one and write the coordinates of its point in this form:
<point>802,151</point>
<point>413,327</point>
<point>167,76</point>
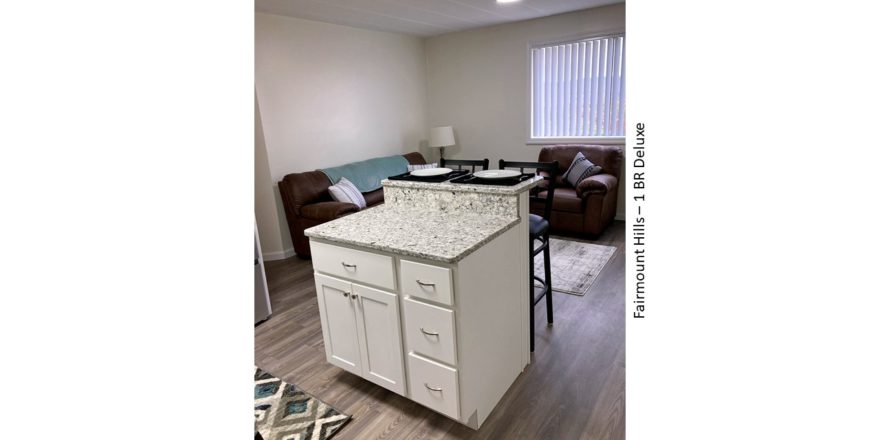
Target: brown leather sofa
<point>307,203</point>
<point>589,208</point>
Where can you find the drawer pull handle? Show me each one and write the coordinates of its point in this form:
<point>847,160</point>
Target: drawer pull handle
<point>429,333</point>
<point>423,284</point>
<point>353,266</point>
<point>432,388</point>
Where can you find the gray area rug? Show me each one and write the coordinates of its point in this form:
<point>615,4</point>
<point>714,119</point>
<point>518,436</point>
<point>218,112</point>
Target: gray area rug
<point>574,265</point>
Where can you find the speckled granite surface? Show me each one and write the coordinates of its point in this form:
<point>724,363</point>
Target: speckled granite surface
<point>415,232</point>
<point>446,186</point>
<point>452,202</point>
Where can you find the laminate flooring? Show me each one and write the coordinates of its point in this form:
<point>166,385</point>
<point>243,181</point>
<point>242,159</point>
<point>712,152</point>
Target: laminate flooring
<point>573,388</point>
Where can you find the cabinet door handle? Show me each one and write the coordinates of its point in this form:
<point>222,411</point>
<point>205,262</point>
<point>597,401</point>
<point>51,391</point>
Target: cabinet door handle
<point>432,388</point>
<point>429,333</point>
<point>346,265</point>
<point>424,284</point>
<point>345,294</point>
<point>354,296</point>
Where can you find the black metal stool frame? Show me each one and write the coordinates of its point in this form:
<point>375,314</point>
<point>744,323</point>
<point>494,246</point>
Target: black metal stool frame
<point>468,163</point>
<point>549,170</point>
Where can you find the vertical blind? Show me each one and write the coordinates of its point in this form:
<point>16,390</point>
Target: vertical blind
<point>578,88</point>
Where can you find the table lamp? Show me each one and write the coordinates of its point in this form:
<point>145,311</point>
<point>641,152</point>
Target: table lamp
<point>442,137</point>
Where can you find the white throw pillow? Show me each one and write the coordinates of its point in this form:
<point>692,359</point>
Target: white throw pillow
<point>580,169</point>
<point>344,191</point>
<point>421,167</point>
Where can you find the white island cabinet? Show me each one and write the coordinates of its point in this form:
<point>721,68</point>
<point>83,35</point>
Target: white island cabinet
<point>361,331</point>
<point>429,302</point>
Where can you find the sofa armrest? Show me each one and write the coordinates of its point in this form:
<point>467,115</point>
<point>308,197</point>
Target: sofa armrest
<point>598,184</point>
<point>327,210</point>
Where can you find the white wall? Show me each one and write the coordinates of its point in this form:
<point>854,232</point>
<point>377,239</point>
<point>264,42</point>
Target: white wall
<point>478,82</point>
<point>331,94</point>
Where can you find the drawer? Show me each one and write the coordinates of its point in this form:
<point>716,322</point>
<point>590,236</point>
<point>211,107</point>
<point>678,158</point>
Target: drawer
<point>364,267</point>
<point>433,385</point>
<point>425,281</point>
<point>430,330</point>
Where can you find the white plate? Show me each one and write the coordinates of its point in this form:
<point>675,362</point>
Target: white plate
<point>431,172</point>
<point>497,174</point>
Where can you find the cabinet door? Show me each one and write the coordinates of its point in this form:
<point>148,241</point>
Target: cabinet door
<point>339,323</point>
<point>381,350</point>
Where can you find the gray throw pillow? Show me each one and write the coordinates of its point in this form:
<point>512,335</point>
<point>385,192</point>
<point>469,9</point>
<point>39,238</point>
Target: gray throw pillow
<point>344,191</point>
<point>580,169</point>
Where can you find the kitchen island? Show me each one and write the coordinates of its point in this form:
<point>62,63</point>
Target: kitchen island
<point>427,295</point>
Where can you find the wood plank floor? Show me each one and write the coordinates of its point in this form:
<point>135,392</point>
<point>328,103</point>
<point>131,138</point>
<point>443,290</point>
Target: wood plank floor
<point>573,389</point>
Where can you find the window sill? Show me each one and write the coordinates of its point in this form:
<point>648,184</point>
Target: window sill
<point>596,140</point>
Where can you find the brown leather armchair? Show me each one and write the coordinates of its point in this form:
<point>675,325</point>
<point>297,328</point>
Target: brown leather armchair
<point>589,208</point>
<point>307,203</point>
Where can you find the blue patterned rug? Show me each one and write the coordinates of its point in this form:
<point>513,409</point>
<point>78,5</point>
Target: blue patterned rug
<point>284,412</point>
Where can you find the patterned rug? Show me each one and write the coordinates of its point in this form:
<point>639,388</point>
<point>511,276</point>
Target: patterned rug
<point>284,412</point>
<point>574,265</point>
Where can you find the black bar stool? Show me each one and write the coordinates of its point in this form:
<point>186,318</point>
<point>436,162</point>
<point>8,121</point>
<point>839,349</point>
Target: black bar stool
<point>539,229</point>
<point>468,163</point>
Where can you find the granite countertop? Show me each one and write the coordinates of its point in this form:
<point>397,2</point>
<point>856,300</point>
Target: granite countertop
<point>485,189</point>
<point>415,232</point>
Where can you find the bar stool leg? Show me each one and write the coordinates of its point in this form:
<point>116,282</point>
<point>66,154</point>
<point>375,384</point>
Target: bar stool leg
<point>531,296</point>
<point>549,284</point>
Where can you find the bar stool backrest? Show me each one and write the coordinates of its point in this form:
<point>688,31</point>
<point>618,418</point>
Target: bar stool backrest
<point>547,169</point>
<point>467,163</point>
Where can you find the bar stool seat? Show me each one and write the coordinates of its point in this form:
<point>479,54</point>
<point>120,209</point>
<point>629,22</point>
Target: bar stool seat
<point>537,226</point>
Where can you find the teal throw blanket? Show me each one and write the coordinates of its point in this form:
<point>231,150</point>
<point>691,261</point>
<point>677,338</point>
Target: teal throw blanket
<point>367,175</point>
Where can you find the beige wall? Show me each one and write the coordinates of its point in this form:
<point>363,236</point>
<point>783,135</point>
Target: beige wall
<point>478,81</point>
<point>274,239</point>
<point>331,94</point>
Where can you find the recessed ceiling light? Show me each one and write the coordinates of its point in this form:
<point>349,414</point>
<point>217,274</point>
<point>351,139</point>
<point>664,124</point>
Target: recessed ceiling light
<point>507,1</point>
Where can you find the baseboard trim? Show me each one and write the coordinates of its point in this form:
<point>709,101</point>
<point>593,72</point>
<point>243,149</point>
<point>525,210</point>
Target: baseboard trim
<point>280,255</point>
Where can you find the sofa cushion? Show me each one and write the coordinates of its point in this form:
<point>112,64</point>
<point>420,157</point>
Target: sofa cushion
<point>598,184</point>
<point>301,189</point>
<point>415,158</point>
<point>566,199</point>
<point>580,169</point>
<point>374,197</point>
<point>326,211</point>
<point>345,192</point>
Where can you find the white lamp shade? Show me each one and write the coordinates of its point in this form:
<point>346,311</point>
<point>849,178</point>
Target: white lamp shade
<point>442,137</point>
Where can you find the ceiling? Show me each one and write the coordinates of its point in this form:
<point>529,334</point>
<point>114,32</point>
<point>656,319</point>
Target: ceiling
<point>422,17</point>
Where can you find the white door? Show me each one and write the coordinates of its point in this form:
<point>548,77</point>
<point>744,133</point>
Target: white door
<point>339,323</point>
<point>381,349</point>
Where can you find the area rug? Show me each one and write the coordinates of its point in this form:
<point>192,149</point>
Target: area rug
<point>574,265</point>
<point>283,411</point>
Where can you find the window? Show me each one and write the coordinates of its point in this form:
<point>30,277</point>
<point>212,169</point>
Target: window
<point>578,89</point>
